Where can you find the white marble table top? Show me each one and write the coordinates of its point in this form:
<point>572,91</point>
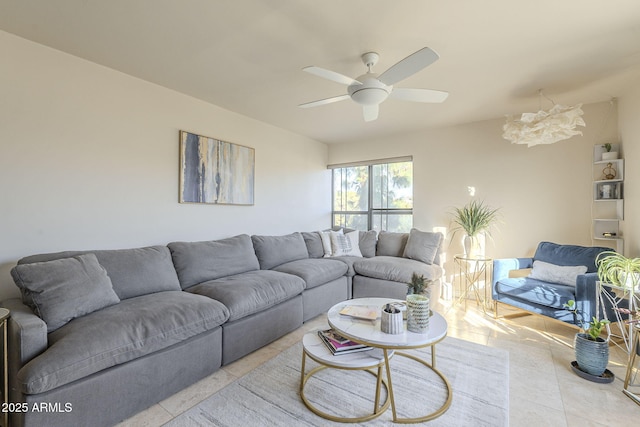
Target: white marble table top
<point>368,331</point>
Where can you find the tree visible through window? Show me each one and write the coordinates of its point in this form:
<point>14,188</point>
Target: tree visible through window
<point>376,196</point>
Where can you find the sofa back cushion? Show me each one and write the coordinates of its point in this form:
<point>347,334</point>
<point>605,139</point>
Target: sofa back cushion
<point>567,255</point>
<point>368,240</point>
<point>133,272</point>
<point>273,251</point>
<point>197,262</point>
<point>391,244</point>
<point>314,244</point>
<point>423,245</point>
<point>61,290</point>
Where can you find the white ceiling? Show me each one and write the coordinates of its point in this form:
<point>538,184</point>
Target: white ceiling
<point>247,55</point>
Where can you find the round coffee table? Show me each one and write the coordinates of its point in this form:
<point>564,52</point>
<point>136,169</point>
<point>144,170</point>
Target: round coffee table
<point>313,347</point>
<point>368,332</point>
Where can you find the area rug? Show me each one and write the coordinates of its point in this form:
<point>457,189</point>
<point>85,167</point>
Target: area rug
<point>269,395</point>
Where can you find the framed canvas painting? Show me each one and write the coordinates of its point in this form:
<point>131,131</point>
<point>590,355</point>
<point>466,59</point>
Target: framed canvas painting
<point>214,171</point>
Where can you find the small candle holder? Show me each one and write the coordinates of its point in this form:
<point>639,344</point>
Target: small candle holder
<point>391,320</point>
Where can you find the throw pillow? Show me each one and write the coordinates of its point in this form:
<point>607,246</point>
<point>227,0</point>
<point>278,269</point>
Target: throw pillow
<point>346,244</point>
<point>61,290</point>
<point>325,236</point>
<point>552,273</point>
<point>422,245</point>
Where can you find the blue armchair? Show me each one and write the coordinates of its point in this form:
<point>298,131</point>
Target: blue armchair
<point>547,298</point>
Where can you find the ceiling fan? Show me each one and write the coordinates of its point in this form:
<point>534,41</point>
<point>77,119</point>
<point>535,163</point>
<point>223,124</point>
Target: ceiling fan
<point>371,89</point>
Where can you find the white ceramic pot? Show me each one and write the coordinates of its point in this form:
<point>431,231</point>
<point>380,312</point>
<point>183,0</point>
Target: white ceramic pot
<point>610,155</point>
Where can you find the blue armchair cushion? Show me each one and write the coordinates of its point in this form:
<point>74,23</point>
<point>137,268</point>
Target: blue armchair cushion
<point>536,291</point>
<point>554,253</point>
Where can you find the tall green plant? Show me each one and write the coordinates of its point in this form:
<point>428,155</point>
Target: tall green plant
<point>474,218</point>
<point>618,270</point>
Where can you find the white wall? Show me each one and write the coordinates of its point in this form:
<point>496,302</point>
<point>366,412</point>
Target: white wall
<point>543,192</point>
<point>89,160</point>
<point>629,119</point>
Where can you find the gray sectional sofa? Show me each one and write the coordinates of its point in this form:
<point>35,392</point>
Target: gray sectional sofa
<point>101,335</point>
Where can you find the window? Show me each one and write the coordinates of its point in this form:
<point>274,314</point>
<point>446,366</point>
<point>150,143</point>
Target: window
<point>374,195</point>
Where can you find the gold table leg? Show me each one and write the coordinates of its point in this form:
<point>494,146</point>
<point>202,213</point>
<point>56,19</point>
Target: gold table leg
<point>377,408</point>
<point>432,366</point>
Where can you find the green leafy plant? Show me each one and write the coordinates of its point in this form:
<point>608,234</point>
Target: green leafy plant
<point>595,327</point>
<point>418,284</point>
<point>607,147</point>
<point>618,270</point>
<point>473,218</point>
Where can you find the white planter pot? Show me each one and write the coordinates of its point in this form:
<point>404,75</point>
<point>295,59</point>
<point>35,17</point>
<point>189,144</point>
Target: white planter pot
<point>611,155</point>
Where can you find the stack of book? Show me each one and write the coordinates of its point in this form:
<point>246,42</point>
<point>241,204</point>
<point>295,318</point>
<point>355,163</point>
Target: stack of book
<point>338,344</point>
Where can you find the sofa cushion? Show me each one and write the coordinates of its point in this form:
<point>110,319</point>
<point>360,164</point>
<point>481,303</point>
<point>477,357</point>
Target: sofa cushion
<point>368,240</point>
<point>58,291</point>
<point>314,244</point>
<point>248,293</point>
<point>118,334</point>
<point>536,291</point>
<point>198,262</point>
<point>275,250</point>
<point>391,244</point>
<point>554,253</point>
<point>314,272</point>
<point>395,269</point>
<point>133,272</point>
<point>565,275</point>
<point>422,245</point>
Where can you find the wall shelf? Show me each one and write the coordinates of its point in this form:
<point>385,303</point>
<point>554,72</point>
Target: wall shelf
<point>608,197</point>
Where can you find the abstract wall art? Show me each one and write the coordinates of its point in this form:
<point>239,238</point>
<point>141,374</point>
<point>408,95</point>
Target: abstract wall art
<point>214,171</point>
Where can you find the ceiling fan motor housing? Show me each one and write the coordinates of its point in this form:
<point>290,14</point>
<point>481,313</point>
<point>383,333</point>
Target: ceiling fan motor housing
<point>371,92</point>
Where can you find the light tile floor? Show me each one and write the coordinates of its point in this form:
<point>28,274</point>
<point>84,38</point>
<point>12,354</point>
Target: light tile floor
<point>543,388</point>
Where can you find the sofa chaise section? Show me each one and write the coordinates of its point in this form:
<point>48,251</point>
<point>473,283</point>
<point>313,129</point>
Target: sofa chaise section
<point>104,363</point>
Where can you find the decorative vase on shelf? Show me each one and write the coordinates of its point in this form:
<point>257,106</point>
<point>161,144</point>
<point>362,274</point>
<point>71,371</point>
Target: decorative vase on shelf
<point>418,313</point>
<point>609,155</point>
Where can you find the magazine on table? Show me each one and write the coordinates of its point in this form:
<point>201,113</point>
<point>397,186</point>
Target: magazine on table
<point>366,312</point>
<point>338,344</point>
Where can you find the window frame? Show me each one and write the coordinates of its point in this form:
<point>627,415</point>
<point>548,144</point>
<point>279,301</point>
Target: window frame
<point>371,211</point>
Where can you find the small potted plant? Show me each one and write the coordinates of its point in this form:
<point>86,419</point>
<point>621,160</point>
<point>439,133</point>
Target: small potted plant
<point>591,350</point>
<point>475,219</point>
<point>608,154</point>
<point>617,270</point>
<point>418,301</point>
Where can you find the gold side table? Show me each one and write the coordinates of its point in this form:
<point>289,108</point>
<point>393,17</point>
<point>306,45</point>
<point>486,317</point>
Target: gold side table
<point>315,349</point>
<point>4,317</point>
<point>471,272</point>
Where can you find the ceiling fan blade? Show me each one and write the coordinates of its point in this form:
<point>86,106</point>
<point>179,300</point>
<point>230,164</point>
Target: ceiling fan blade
<point>419,95</point>
<point>330,75</point>
<point>324,101</point>
<point>370,112</point>
<point>409,66</point>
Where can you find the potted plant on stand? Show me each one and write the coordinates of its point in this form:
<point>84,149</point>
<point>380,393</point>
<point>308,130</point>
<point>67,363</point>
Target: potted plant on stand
<point>475,219</point>
<point>591,350</point>
<point>617,270</point>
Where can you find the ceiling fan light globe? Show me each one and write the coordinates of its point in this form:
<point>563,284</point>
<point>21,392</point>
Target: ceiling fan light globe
<point>371,92</point>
